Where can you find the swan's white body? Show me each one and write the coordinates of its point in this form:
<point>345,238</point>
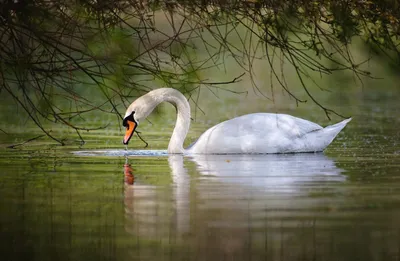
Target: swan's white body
<point>251,133</point>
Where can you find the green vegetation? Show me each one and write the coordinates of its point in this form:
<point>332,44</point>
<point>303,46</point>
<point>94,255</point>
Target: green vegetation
<point>67,62</point>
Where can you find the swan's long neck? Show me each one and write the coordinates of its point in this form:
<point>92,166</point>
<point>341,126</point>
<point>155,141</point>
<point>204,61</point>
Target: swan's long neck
<point>183,116</point>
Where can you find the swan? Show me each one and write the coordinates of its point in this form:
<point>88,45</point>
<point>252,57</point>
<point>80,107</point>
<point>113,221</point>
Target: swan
<point>251,133</point>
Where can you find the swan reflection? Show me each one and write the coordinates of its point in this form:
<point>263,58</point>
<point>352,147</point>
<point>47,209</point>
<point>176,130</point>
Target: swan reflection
<point>269,172</point>
<point>233,192</point>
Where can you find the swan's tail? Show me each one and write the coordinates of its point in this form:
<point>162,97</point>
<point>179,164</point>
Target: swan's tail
<point>322,138</point>
<point>338,126</point>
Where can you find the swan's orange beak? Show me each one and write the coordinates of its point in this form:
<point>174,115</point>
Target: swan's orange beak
<point>130,128</point>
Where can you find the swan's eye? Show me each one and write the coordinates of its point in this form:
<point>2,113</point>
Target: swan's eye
<point>125,122</point>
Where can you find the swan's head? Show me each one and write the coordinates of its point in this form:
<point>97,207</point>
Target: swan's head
<point>136,112</point>
<point>130,123</point>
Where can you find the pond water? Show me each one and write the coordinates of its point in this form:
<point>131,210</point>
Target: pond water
<point>109,204</point>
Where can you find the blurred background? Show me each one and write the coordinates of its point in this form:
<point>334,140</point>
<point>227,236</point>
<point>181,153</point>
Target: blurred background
<point>70,191</point>
<point>70,69</point>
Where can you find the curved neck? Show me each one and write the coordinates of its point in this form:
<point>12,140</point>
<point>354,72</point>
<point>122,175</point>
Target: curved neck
<point>183,116</point>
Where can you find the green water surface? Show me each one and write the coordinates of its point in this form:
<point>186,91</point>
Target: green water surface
<point>343,204</point>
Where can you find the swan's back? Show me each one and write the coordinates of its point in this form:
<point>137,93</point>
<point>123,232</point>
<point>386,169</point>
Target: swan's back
<point>265,133</point>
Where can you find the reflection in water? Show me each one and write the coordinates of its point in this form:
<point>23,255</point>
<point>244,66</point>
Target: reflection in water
<point>148,211</point>
<point>128,171</point>
<point>240,204</point>
<point>270,172</point>
<point>258,207</point>
<point>181,182</point>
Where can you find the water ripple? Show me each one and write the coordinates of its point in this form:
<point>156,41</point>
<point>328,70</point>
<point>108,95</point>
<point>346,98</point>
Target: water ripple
<point>120,153</point>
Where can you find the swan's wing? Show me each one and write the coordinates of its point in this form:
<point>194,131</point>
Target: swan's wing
<point>290,126</point>
<point>261,124</point>
<point>258,132</point>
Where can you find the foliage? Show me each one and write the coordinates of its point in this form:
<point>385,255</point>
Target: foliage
<point>71,51</point>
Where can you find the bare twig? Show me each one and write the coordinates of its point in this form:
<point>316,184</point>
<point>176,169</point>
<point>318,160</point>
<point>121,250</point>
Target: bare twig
<point>140,137</point>
<point>118,49</point>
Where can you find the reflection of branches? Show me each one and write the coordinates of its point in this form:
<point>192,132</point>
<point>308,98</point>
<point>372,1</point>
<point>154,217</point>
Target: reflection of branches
<point>22,143</point>
<point>62,62</point>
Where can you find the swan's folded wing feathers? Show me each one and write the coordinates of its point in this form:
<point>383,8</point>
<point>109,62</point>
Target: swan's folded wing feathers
<point>254,133</point>
<point>260,124</point>
<point>292,126</point>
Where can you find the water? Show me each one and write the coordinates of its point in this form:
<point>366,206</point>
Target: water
<point>61,203</point>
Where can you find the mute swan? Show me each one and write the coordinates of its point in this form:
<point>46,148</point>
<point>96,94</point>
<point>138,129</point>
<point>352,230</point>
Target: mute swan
<point>251,133</point>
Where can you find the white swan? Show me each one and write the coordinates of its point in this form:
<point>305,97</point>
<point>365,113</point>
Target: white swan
<point>251,133</point>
